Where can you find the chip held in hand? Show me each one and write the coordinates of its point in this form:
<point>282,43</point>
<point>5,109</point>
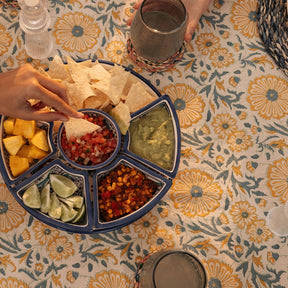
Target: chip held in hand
<point>79,127</point>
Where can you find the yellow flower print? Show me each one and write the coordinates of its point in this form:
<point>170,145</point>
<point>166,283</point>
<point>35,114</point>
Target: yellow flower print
<point>237,170</point>
<point>12,282</point>
<point>76,32</point>
<point>5,40</point>
<point>244,17</point>
<point>5,262</point>
<point>242,115</point>
<point>277,179</point>
<point>233,81</point>
<point>70,276</point>
<point>179,229</point>
<point>146,225</point>
<point>116,51</point>
<point>205,130</point>
<point>9,62</point>
<point>249,166</point>
<point>195,193</point>
<point>79,237</point>
<point>109,279</point>
<point>126,229</point>
<point>221,275</point>
<point>164,212</point>
<point>238,249</point>
<point>225,34</point>
<point>258,231</point>
<point>270,257</point>
<point>268,95</point>
<point>223,219</point>
<point>101,5</point>
<point>26,234</point>
<point>239,141</point>
<point>44,233</point>
<point>243,214</point>
<point>11,213</point>
<point>160,240</point>
<point>24,58</point>
<point>220,160</point>
<point>224,125</point>
<point>262,203</point>
<point>38,267</point>
<point>60,248</point>
<point>203,75</point>
<point>128,12</point>
<point>207,43</point>
<point>188,104</point>
<point>221,58</point>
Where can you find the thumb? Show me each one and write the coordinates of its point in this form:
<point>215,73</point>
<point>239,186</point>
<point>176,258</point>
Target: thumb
<point>191,27</point>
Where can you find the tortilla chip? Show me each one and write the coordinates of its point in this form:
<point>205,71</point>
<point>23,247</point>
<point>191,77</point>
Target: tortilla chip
<point>58,70</point>
<point>78,93</point>
<point>113,86</point>
<point>121,115</point>
<point>138,97</point>
<point>83,73</point>
<point>96,101</point>
<point>79,127</point>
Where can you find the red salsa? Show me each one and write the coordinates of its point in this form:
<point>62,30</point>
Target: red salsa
<point>92,148</point>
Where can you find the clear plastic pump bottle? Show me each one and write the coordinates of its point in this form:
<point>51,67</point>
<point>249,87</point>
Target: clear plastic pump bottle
<point>34,20</point>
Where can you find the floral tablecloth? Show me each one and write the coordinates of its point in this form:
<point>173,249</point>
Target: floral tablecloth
<point>232,104</point>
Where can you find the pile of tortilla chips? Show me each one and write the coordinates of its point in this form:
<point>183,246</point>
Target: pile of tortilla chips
<point>91,85</point>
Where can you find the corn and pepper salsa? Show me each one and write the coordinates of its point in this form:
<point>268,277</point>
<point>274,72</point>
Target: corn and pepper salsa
<point>92,148</point>
<point>123,191</point>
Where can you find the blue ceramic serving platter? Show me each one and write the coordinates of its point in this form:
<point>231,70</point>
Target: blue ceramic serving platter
<point>88,180</point>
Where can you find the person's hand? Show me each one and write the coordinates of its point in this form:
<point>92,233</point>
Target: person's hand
<point>194,8</point>
<point>24,83</point>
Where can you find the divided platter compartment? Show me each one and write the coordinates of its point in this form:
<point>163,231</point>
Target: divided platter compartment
<point>87,181</point>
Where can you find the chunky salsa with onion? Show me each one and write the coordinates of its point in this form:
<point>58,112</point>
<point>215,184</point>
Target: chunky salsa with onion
<point>92,148</point>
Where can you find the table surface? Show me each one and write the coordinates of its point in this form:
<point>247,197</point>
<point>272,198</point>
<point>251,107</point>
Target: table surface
<point>232,106</point>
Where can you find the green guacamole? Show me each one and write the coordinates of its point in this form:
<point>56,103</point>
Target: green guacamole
<point>152,137</point>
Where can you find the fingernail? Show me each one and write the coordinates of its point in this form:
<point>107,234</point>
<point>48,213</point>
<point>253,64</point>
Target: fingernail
<point>80,115</point>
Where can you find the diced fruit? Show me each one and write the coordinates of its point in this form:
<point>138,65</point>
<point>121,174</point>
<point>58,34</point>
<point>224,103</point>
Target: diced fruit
<point>68,213</point>
<point>31,151</point>
<point>31,197</point>
<point>8,125</point>
<point>73,201</point>
<point>80,214</point>
<point>36,153</point>
<point>40,140</point>
<point>25,128</point>
<point>13,144</point>
<point>45,198</point>
<point>18,165</point>
<point>24,153</point>
<point>55,207</point>
<point>62,186</point>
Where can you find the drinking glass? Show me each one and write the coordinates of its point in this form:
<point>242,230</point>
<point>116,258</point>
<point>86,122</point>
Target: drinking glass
<point>158,30</point>
<point>277,220</point>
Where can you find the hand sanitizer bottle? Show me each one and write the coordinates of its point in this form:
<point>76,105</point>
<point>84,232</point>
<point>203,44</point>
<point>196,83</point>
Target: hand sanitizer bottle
<point>35,20</point>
